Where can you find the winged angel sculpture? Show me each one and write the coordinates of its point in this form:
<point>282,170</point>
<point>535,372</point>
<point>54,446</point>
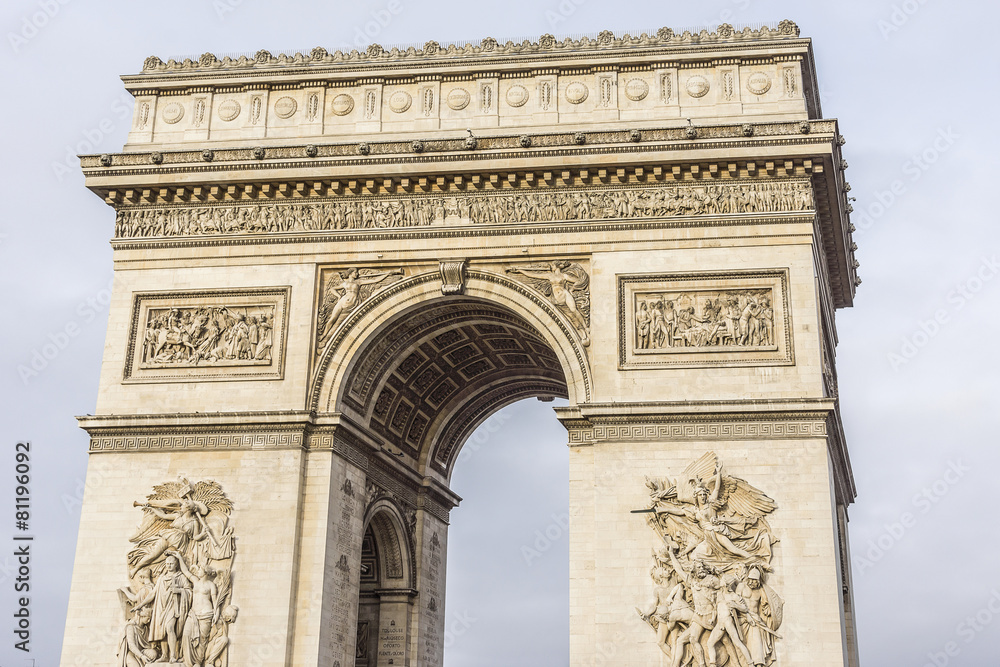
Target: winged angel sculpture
<point>567,285</point>
<point>345,292</point>
<point>709,576</point>
<point>177,604</point>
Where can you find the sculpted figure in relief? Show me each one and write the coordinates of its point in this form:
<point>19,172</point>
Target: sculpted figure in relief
<point>186,545</point>
<point>208,336</point>
<point>707,319</point>
<point>567,285</point>
<point>344,295</point>
<point>711,606</point>
<point>384,212</point>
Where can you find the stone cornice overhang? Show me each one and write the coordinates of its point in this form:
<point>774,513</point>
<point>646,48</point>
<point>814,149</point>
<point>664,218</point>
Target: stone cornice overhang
<point>576,56</point>
<point>717,153</point>
<point>257,431</point>
<point>587,422</point>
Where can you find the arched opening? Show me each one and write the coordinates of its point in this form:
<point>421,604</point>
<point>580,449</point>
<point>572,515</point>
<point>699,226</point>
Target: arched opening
<point>413,382</point>
<point>427,378</point>
<point>508,545</point>
<point>385,589</point>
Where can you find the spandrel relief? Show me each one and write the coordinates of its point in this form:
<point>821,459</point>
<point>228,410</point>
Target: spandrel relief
<point>342,292</point>
<point>468,208</point>
<point>566,284</point>
<point>177,336</point>
<point>704,319</point>
<point>711,603</point>
<point>178,600</point>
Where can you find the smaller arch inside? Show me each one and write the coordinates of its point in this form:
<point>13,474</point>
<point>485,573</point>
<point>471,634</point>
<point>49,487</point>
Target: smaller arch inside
<point>385,593</point>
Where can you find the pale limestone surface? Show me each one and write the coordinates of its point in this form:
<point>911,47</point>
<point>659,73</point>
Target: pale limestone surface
<point>361,435</point>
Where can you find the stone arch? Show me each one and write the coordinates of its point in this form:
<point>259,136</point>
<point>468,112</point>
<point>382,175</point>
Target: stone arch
<point>395,551</point>
<point>418,371</point>
<point>386,587</point>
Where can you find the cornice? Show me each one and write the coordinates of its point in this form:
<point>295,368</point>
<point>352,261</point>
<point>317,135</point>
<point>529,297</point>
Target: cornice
<point>488,52</point>
<point>434,154</point>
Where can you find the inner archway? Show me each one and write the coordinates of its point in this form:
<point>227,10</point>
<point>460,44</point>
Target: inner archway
<point>417,389</point>
<point>508,552</point>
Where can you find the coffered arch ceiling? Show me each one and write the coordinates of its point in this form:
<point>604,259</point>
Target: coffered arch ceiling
<point>435,372</point>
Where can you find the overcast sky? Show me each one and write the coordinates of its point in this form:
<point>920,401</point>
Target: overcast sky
<point>910,82</point>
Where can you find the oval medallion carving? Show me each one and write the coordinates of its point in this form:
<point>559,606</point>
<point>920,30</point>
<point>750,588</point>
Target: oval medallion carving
<point>459,98</point>
<point>636,89</point>
<point>172,113</point>
<point>343,104</point>
<point>517,96</point>
<point>285,107</point>
<point>758,83</point>
<point>697,86</point>
<point>576,92</point>
<point>400,101</point>
<point>229,110</point>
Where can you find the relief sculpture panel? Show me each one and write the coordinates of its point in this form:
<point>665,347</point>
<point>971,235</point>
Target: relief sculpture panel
<point>341,292</point>
<point>178,602</point>
<point>711,603</point>
<point>471,208</point>
<point>729,318</point>
<point>233,334</point>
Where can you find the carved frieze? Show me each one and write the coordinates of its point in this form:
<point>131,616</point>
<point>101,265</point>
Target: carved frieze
<point>178,601</point>
<point>711,568</point>
<point>566,284</point>
<point>384,212</point>
<point>726,318</point>
<point>227,334</point>
<point>342,292</point>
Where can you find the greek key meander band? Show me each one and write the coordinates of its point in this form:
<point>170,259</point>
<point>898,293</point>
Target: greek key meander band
<point>327,441</point>
<point>720,431</point>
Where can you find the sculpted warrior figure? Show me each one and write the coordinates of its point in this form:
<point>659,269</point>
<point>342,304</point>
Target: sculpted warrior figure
<point>763,617</point>
<point>135,649</point>
<point>344,297</point>
<point>669,608</point>
<point>642,322</point>
<point>566,284</point>
<point>704,586</point>
<point>712,523</point>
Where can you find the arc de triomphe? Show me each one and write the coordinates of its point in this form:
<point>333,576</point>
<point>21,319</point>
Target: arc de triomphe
<point>331,268</point>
